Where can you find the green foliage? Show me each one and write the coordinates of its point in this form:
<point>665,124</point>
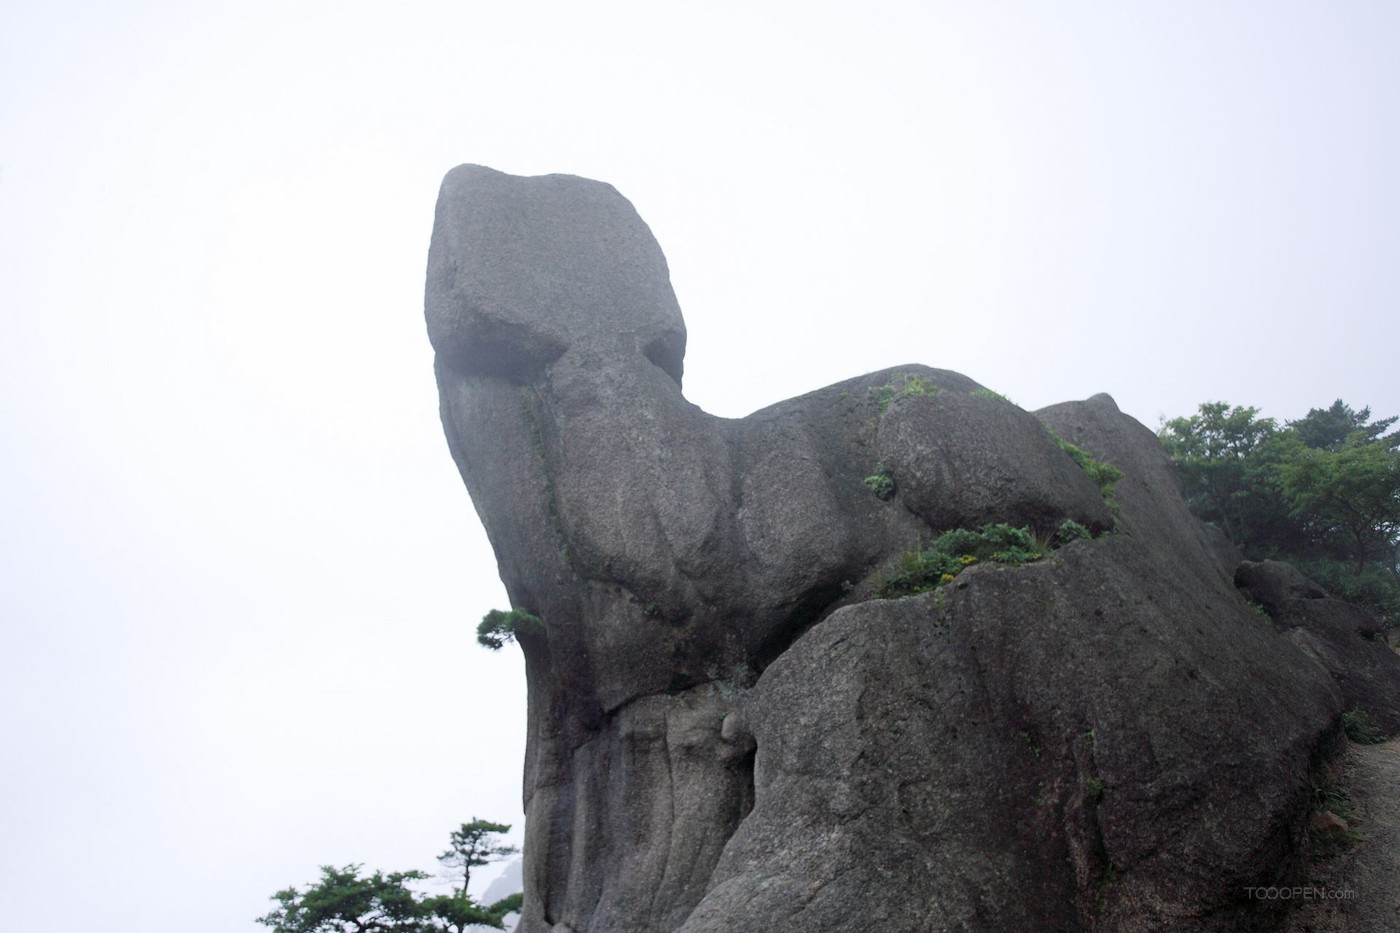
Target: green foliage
<point>988,393</point>
<point>1333,427</point>
<point>902,386</point>
<point>498,627</point>
<point>1001,543</point>
<point>508,905</point>
<point>950,553</point>
<point>1360,729</point>
<point>917,572</point>
<point>1217,454</point>
<point>456,914</point>
<point>1094,789</point>
<point>1374,588</point>
<point>1070,530</point>
<point>1350,495</point>
<point>343,901</point>
<point>474,844</point>
<point>1323,492</point>
<point>881,483</point>
<point>1330,797</point>
<point>1101,472</point>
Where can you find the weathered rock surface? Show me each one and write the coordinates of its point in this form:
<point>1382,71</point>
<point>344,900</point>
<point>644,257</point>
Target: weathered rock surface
<point>727,732</point>
<point>1346,640</point>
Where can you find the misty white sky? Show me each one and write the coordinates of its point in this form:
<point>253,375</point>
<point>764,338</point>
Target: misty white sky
<point>239,577</point>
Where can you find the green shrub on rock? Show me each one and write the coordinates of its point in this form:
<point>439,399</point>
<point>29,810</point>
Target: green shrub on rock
<point>1070,530</point>
<point>881,483</point>
<point>951,552</point>
<point>1103,473</point>
<point>904,385</point>
<point>1360,729</point>
<point>498,627</point>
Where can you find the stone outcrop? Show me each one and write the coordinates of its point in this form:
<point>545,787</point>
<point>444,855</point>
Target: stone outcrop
<point>727,731</point>
<point>1344,639</point>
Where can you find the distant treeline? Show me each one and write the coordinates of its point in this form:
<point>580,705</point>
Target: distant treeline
<point>1322,492</point>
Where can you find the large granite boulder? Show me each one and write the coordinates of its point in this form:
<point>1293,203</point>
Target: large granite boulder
<point>1345,639</point>
<point>727,731</point>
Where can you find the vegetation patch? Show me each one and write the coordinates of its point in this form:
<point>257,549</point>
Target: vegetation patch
<point>1069,530</point>
<point>344,900</point>
<point>988,393</point>
<point>1333,825</point>
<point>1321,492</point>
<point>952,552</point>
<point>1103,473</point>
<point>1360,729</point>
<point>881,483</point>
<point>902,386</point>
<point>498,627</point>
<point>1376,588</point>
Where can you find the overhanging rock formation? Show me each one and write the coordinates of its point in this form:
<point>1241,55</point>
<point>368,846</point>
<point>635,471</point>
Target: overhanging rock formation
<point>728,731</point>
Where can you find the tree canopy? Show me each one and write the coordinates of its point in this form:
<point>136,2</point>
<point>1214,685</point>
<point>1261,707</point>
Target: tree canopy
<point>475,844</point>
<point>1219,454</point>
<point>500,626</point>
<point>1322,491</point>
<point>346,901</point>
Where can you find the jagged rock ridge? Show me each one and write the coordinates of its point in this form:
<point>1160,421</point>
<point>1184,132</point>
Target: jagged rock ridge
<point>727,732</point>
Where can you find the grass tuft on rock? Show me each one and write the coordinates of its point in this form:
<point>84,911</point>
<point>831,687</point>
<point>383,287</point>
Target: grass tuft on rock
<point>952,552</point>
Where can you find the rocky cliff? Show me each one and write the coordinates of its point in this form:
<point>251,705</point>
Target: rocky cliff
<point>729,730</point>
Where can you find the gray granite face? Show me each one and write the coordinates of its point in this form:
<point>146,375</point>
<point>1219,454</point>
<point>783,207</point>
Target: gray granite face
<point>522,269</point>
<point>726,731</point>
